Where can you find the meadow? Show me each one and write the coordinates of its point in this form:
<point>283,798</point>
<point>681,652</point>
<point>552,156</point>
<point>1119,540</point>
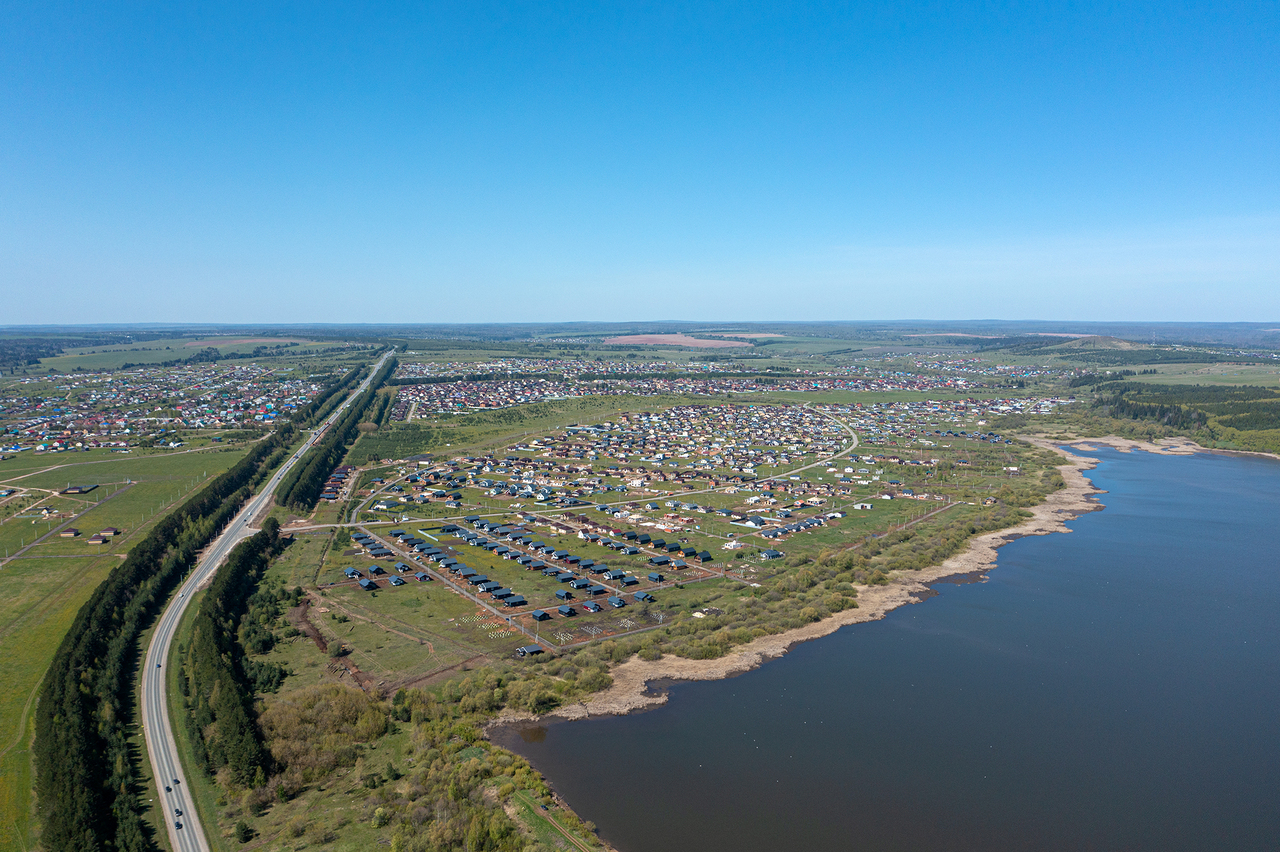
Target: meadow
<point>41,592</point>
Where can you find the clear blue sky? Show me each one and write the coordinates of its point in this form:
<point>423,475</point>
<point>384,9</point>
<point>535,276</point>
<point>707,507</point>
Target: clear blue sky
<point>548,161</point>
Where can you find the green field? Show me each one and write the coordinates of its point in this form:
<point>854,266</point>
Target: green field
<point>487,429</point>
<point>1262,375</point>
<point>41,592</point>
<point>169,349</point>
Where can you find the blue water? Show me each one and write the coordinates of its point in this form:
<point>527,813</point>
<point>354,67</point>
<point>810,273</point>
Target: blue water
<point>1116,688</point>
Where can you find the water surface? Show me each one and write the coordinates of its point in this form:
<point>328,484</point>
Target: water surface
<point>1114,688</point>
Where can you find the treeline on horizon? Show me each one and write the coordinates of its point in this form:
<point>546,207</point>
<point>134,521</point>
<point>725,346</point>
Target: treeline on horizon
<point>302,486</point>
<point>87,784</point>
<point>211,355</point>
<point>26,351</point>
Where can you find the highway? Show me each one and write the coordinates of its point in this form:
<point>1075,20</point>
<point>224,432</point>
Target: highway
<point>170,778</point>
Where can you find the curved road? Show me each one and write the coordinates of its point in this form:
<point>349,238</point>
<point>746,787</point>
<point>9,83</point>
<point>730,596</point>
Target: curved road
<point>162,747</point>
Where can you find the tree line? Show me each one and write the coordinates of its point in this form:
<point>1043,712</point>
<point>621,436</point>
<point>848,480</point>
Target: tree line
<point>87,784</point>
<point>302,486</point>
<point>1249,409</point>
<point>216,678</point>
<point>329,398</point>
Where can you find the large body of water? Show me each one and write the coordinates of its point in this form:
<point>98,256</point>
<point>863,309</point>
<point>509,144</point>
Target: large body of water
<point>1114,688</point>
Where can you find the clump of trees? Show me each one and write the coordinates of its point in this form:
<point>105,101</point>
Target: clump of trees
<point>443,798</point>
<point>318,729</point>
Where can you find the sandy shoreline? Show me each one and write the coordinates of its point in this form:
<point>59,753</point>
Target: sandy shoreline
<point>1163,447</point>
<point>629,692</point>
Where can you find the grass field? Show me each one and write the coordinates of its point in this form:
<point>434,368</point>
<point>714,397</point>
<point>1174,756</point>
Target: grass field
<point>169,349</point>
<point>486,429</point>
<point>41,592</point>
<point>1262,375</point>
<point>333,814</point>
<point>38,600</point>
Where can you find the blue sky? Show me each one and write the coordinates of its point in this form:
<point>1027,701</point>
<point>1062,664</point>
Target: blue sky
<point>307,162</point>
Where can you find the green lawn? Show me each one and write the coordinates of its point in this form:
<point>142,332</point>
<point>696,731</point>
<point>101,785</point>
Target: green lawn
<point>39,599</point>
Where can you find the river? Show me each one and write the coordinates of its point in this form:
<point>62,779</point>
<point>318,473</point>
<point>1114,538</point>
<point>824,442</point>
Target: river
<point>1117,687</point>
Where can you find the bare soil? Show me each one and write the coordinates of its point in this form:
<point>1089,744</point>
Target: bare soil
<point>222,341</point>
<point>673,340</point>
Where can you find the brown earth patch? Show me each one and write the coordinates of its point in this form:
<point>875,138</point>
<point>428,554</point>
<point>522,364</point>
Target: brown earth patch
<point>672,340</point>
<point>222,341</point>
<point>299,618</point>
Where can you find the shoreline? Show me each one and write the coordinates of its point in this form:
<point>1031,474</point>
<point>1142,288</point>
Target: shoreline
<point>630,690</point>
<point>1176,446</point>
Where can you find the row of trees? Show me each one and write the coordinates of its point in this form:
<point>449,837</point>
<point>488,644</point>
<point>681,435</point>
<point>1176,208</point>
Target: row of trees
<point>86,778</point>
<point>215,674</point>
<point>329,398</point>
<point>301,487</point>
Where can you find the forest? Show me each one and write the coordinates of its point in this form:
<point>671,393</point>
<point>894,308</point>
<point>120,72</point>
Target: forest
<point>329,398</point>
<point>1243,408</point>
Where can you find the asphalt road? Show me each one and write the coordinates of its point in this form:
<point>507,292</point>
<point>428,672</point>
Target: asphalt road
<point>161,744</point>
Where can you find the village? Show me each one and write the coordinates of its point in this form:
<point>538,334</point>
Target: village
<point>118,409</point>
<point>612,528</point>
<point>441,390</point>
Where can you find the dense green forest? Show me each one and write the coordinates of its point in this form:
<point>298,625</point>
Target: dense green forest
<point>1230,417</point>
